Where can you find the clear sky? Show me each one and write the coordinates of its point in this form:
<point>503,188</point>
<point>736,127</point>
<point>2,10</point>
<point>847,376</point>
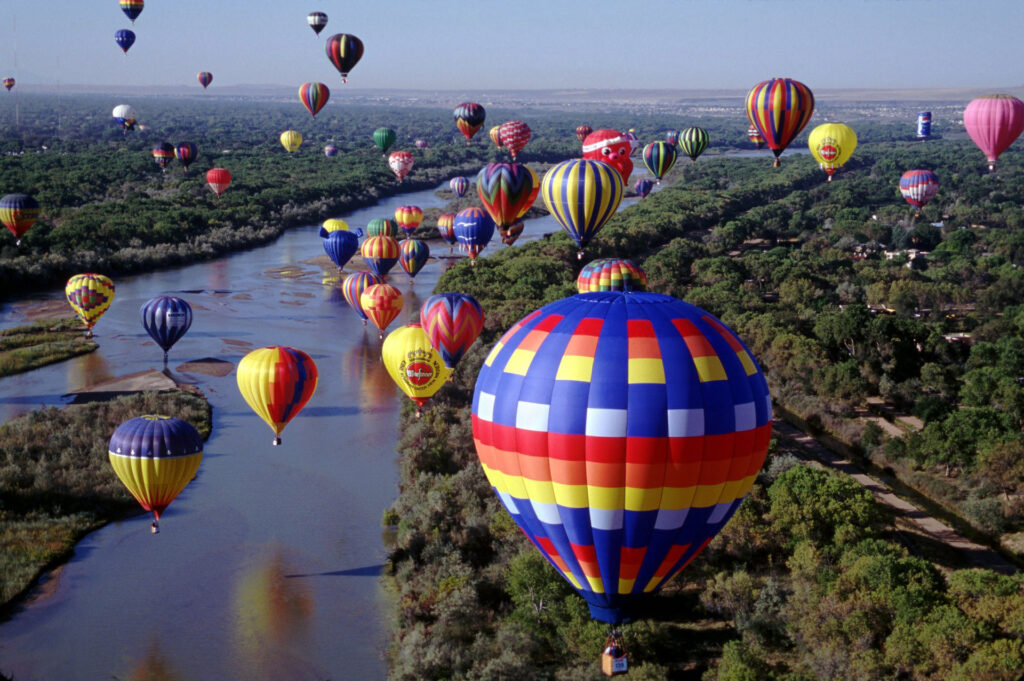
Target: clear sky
<point>514,44</point>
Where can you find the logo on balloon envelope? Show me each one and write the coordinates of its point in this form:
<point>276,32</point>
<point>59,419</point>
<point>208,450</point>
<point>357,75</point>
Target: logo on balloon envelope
<point>828,149</point>
<point>419,373</point>
<point>419,368</point>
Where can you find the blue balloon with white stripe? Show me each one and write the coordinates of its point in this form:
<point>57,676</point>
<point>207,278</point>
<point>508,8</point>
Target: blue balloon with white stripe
<point>166,319</point>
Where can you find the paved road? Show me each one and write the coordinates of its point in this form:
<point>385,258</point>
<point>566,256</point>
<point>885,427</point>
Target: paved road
<point>976,555</point>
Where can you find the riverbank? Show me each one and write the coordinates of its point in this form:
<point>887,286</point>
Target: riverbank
<point>23,348</point>
<point>56,484</point>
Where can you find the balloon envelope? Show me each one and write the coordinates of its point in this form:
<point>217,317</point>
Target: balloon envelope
<point>919,187</point>
<point>354,285</point>
<point>452,321</point>
<point>693,142</point>
<point>277,382</point>
<point>611,274</point>
<point>89,296</point>
<point>779,108</point>
<point>506,191</point>
<point>317,21</point>
<point>18,212</point>
<point>218,179</point>
<point>408,218</point>
<point>132,8</point>
<point>382,227</point>
<point>344,51</point>
<point>994,122</point>
<point>446,227</point>
<point>832,145</point>
<point>340,246</point>
<point>186,152</point>
<point>124,39</point>
<point>582,195</point>
<point>384,138</point>
<point>473,230</point>
<point>381,303</point>
<point>514,136</point>
<point>469,117</point>
<point>380,254</point>
<point>413,364</point>
<point>611,147</point>
<point>459,186</point>
<point>401,163</point>
<point>204,78</point>
<point>314,96</point>
<point>166,319</point>
<point>659,157</point>
<point>291,140</point>
<point>333,225</point>
<point>412,256</point>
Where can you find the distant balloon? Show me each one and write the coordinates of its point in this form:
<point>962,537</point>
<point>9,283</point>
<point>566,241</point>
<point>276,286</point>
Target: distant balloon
<point>163,154</point>
<point>18,212</point>
<point>330,150</point>
<point>643,187</point>
<point>291,140</point>
<point>401,163</point>
<point>421,144</point>
<point>611,147</point>
<point>412,256</point>
<point>344,51</point>
<point>446,228</point>
<point>125,116</point>
<point>132,8</point>
<point>495,135</point>
<point>382,227</point>
<point>693,142</point>
<point>340,246</point>
<point>924,124</point>
<point>582,195</point>
<point>510,234</point>
<point>469,117</point>
<point>166,319</point>
<point>611,274</point>
<point>779,108</point>
<point>332,225</point>
<point>452,321</point>
<point>582,131</point>
<point>384,138</point>
<point>919,187</point>
<point>413,364</point>
<point>204,78</point>
<point>473,229</point>
<point>8,83</point>
<point>994,122</point>
<point>380,254</point>
<point>124,39</point>
<point>408,218</point>
<point>506,190</point>
<point>659,157</point>
<point>218,179</point>
<point>277,382</point>
<point>314,96</point>
<point>831,145</point>
<point>317,21</point>
<point>155,457</point>
<point>459,186</point>
<point>514,136</point>
<point>672,137</point>
<point>89,296</point>
<point>186,152</point>
<point>755,136</point>
<point>354,285</point>
<point>381,303</point>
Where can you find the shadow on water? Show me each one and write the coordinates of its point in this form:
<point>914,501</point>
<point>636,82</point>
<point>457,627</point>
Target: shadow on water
<point>365,571</point>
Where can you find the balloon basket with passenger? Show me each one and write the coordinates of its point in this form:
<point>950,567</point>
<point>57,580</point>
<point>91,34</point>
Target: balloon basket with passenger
<point>613,658</point>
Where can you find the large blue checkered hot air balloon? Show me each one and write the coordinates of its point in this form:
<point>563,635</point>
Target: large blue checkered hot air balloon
<point>582,195</point>
<point>621,431</point>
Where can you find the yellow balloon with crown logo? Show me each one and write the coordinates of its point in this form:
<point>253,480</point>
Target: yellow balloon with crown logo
<point>414,364</point>
<point>832,145</point>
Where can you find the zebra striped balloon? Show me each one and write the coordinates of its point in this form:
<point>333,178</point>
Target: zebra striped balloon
<point>582,195</point>
<point>693,142</point>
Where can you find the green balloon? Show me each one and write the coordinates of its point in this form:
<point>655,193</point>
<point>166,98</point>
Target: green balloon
<point>384,138</point>
<point>382,227</point>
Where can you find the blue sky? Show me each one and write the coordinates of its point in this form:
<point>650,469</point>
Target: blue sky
<point>550,44</point>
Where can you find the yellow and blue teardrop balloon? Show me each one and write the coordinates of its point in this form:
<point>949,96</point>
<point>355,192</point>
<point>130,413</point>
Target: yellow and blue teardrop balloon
<point>582,195</point>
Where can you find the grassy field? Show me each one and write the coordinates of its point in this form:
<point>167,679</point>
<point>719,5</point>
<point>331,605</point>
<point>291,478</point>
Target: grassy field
<point>23,348</point>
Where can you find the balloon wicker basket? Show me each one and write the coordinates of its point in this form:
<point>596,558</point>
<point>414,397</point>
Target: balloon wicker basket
<point>614,659</point>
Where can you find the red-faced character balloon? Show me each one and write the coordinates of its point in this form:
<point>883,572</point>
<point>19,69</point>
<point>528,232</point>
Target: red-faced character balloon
<point>611,147</point>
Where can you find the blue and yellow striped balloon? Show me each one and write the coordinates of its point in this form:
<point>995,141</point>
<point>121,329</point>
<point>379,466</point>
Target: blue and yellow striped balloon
<point>582,195</point>
<point>621,431</point>
<point>659,157</point>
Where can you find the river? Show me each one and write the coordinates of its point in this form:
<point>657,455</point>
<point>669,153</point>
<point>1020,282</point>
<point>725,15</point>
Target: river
<point>267,566</point>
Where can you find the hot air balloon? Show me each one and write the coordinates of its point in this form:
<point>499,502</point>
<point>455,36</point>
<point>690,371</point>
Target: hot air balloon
<point>582,131</point>
<point>408,218</point>
<point>204,78</point>
<point>155,457</point>
<point>132,8</point>
<point>643,187</point>
<point>473,229</point>
<point>755,136</point>
<point>634,142</point>
<point>693,142</point>
<point>919,187</point>
<point>832,144</point>
<point>276,382</point>
<point>452,321</point>
<point>186,152</point>
<point>340,246</point>
<point>125,116</point>
<point>510,234</point>
<point>344,51</point>
<point>331,225</point>
<point>994,122</point>
<point>421,143</point>
<point>659,157</point>
<point>384,138</point>
<point>413,364</point>
<point>495,135</point>
<point>412,256</point>
<point>380,254</point>
<point>469,117</point>
<point>672,137</point>
<point>611,147</point>
<point>779,108</point>
<point>514,136</point>
<point>330,150</point>
<point>18,212</point>
<point>163,154</point>
<point>314,96</point>
<point>89,296</point>
<point>381,303</point>
<point>459,186</point>
<point>611,274</point>
<point>382,227</point>
<point>446,228</point>
<point>620,431</point>
<point>166,319</point>
<point>8,83</point>
<point>354,285</point>
<point>218,179</point>
<point>506,190</point>
<point>124,39</point>
<point>582,195</point>
<point>400,163</point>
<point>291,140</point>
<point>317,21</point>
<point>924,124</point>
